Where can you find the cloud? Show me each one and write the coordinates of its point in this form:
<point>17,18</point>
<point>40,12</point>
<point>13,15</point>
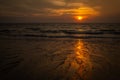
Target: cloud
<point>47,8</point>
<point>37,7</point>
<point>58,2</point>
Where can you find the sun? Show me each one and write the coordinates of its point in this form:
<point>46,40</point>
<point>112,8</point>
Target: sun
<point>79,17</point>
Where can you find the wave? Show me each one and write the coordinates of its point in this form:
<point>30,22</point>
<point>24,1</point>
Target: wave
<point>61,31</point>
<point>58,37</point>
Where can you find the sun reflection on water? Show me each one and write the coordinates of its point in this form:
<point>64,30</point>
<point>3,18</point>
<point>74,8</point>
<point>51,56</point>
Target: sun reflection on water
<point>77,65</point>
<point>82,61</point>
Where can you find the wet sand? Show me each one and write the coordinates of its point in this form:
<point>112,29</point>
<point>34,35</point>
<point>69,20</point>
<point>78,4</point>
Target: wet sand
<point>59,59</point>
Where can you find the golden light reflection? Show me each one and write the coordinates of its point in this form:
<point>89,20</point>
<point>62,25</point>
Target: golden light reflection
<point>77,65</point>
<point>82,58</point>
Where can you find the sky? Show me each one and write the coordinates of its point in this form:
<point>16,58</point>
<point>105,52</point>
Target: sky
<point>55,11</point>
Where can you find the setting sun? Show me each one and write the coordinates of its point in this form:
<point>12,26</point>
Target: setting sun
<point>79,17</point>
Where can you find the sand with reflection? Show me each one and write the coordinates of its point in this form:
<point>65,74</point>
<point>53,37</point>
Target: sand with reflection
<point>59,60</point>
<point>79,61</point>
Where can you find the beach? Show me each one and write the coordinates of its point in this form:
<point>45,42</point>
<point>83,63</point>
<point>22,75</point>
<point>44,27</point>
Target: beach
<point>50,58</point>
<point>59,60</point>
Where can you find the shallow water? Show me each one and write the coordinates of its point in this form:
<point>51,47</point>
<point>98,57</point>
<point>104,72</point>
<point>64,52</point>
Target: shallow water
<point>58,58</point>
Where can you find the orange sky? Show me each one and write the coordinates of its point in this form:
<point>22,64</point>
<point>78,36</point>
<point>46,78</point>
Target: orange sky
<point>59,10</point>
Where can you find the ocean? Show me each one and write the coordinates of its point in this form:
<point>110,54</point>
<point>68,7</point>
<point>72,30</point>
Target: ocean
<point>60,51</point>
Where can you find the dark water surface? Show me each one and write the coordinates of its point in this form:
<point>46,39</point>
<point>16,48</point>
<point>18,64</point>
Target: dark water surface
<point>59,52</point>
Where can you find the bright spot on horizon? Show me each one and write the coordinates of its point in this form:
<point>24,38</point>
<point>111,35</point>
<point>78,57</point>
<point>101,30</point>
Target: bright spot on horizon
<point>79,17</point>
